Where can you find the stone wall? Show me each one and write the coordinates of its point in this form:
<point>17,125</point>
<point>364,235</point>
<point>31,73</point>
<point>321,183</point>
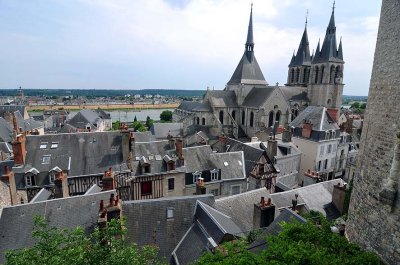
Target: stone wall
<point>372,223</point>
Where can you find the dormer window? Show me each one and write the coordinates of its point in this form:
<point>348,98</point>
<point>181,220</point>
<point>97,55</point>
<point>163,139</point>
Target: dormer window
<point>30,180</point>
<point>214,174</point>
<point>196,176</point>
<point>46,159</point>
<point>52,177</point>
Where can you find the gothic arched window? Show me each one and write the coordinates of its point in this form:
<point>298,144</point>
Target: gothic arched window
<point>251,119</point>
<point>203,121</point>
<point>316,75</point>
<point>322,74</point>
<point>243,117</point>
<point>292,76</point>
<point>297,75</point>
<point>234,115</point>
<point>221,117</point>
<point>198,120</point>
<point>332,74</point>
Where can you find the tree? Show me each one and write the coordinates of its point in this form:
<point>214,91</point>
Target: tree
<point>363,106</point>
<point>311,243</point>
<point>135,119</point>
<point>149,122</point>
<point>355,105</point>
<point>55,246</point>
<point>166,116</point>
<point>116,125</point>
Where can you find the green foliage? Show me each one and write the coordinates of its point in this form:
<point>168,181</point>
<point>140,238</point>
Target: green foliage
<point>135,119</point>
<point>116,125</point>
<point>149,122</point>
<point>347,198</point>
<point>166,115</point>
<point>355,105</point>
<point>73,247</point>
<point>312,243</point>
<point>363,105</point>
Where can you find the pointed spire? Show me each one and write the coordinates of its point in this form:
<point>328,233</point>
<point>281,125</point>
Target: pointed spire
<point>340,50</point>
<point>303,52</point>
<point>250,41</point>
<point>332,20</point>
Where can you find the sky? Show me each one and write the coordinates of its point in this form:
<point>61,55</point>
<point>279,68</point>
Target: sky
<point>172,44</point>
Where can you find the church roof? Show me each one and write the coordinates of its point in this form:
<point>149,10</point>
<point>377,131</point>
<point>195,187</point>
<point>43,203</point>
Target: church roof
<point>257,96</point>
<point>222,98</point>
<point>248,71</point>
<point>194,106</point>
<point>329,51</point>
<point>294,93</point>
<point>303,52</point>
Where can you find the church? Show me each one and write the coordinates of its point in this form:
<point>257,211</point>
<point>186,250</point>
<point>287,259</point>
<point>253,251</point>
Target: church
<point>248,106</point>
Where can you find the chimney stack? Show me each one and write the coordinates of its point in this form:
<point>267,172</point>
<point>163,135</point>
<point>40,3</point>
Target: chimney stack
<point>222,141</point>
<point>272,148</point>
<point>108,180</point>
<point>171,141</point>
<point>179,151</point>
<point>19,150</point>
<point>264,213</point>
<point>338,197</point>
<point>200,188</point>
<point>307,129</point>
<point>9,179</point>
<point>287,135</point>
<point>61,185</point>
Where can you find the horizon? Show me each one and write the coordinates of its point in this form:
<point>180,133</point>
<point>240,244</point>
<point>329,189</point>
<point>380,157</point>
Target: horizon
<point>166,44</point>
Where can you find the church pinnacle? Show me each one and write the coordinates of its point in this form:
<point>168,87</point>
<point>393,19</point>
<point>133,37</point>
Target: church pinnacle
<point>250,41</point>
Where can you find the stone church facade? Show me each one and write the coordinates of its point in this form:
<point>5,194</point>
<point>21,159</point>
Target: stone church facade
<point>249,106</point>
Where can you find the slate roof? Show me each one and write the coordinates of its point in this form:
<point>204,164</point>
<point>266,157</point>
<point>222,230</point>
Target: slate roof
<point>281,146</point>
<point>303,52</point>
<point>102,114</point>
<point>240,207</point>
<point>28,124</point>
<point>286,215</point>
<point>153,153</point>
<point>251,155</point>
<point>83,118</point>
<point>248,71</point>
<point>147,221</point>
<point>80,153</point>
<point>231,164</point>
<point>222,98</point>
<point>318,116</point>
<point>16,222</point>
<point>6,131</point>
<point>257,96</point>
<point>6,148</point>
<point>209,227</point>
<point>194,106</point>
<point>11,109</point>
<point>161,130</point>
<point>197,158</point>
<point>294,93</point>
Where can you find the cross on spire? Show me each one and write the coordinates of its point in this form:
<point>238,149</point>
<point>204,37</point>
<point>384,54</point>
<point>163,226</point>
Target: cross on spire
<point>306,17</point>
<point>333,6</point>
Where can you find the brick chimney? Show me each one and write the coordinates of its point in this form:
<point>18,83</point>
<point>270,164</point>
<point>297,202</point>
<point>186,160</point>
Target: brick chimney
<point>61,185</point>
<point>19,150</point>
<point>171,141</point>
<point>338,196</point>
<point>9,179</point>
<point>110,212</point>
<point>307,129</point>
<point>179,147</point>
<point>108,180</point>
<point>264,213</point>
<point>334,113</point>
<point>272,148</point>
<point>200,188</point>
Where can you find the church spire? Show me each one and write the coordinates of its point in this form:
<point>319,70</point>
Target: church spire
<point>303,52</point>
<point>250,41</point>
<point>329,49</point>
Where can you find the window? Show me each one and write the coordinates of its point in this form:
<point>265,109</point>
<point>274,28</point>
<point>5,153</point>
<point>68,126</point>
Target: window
<point>203,121</point>
<point>278,116</point>
<point>30,180</point>
<point>198,120</point>
<point>171,184</point>
<point>54,145</point>
<point>321,152</point>
<point>221,117</point>
<point>236,189</point>
<point>271,119</point>
<point>329,150</point>
<point>146,188</point>
<point>234,114</point>
<point>214,175</point>
<point>196,176</point>
<point>243,117</point>
<point>46,159</point>
<point>170,213</point>
<point>326,164</point>
<point>43,146</point>
<point>319,165</point>
<point>146,168</point>
<point>52,176</point>
<point>251,119</point>
<point>214,192</point>
<point>334,148</point>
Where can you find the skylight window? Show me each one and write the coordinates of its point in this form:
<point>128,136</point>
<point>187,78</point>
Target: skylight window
<point>240,162</point>
<point>226,164</point>
<point>158,157</point>
<point>43,145</point>
<point>54,145</point>
<point>151,157</point>
<point>46,159</point>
